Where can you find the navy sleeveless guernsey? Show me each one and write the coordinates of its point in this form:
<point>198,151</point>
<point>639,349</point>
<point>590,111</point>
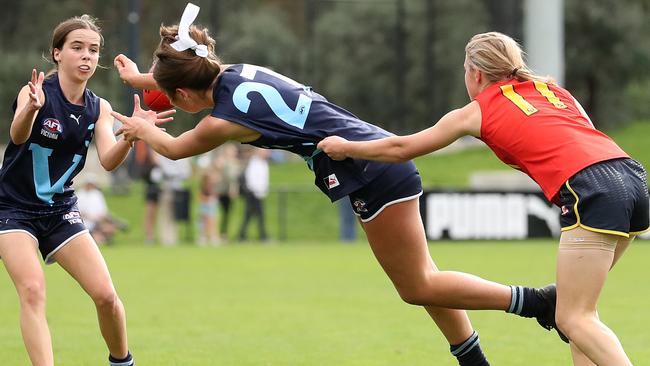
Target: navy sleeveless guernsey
<point>36,176</point>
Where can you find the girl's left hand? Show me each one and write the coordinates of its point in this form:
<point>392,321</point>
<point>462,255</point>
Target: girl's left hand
<point>156,118</point>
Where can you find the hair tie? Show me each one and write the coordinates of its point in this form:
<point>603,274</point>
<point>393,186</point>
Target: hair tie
<point>513,73</point>
<point>185,41</point>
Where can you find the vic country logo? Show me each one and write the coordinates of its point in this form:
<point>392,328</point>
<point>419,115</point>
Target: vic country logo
<point>331,181</point>
<point>360,205</point>
<point>52,128</point>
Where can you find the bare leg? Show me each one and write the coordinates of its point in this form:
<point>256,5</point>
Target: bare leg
<point>24,267</point>
<point>83,261</point>
<point>579,358</point>
<point>581,273</point>
<point>398,241</point>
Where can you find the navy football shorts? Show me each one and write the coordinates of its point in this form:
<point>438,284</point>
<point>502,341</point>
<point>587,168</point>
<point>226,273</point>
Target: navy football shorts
<point>50,232</point>
<point>398,183</point>
<point>610,197</point>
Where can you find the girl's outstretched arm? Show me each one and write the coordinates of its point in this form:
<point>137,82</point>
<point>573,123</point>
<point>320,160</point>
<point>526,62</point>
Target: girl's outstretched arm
<point>394,149</point>
<point>208,134</point>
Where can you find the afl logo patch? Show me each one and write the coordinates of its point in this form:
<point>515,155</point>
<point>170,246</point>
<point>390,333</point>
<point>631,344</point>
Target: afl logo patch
<point>52,128</point>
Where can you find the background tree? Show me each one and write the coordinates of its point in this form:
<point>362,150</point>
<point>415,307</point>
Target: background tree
<point>396,63</point>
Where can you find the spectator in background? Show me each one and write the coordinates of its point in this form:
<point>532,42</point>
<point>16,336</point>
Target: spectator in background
<point>347,222</point>
<point>151,176</point>
<point>228,168</point>
<point>173,174</point>
<point>208,208</point>
<point>256,184</point>
<point>94,211</point>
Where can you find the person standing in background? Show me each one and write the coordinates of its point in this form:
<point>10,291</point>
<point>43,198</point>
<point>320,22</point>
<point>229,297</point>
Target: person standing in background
<point>173,175</point>
<point>256,183</point>
<point>150,173</point>
<point>347,222</point>
<point>208,208</point>
<point>228,167</point>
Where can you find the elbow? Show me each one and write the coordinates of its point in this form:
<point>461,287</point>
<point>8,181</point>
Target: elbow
<point>109,167</point>
<point>407,155</point>
<point>172,152</point>
<point>17,139</point>
<point>110,164</point>
<point>171,155</point>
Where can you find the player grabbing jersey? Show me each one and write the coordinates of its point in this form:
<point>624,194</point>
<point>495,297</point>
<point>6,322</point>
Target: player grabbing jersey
<point>538,127</point>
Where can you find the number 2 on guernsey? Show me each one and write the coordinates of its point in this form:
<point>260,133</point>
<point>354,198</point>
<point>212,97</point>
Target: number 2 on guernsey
<point>294,117</point>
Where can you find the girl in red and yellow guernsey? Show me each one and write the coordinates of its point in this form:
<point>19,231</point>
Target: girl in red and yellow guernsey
<point>538,127</point>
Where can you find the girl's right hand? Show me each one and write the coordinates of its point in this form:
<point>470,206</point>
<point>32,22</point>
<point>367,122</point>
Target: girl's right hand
<point>334,147</point>
<point>36,89</point>
<point>126,68</point>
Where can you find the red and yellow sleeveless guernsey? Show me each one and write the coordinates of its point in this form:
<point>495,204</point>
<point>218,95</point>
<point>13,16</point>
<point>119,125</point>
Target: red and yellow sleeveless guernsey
<point>541,130</point>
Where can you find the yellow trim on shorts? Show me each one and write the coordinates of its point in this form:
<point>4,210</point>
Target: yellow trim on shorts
<point>575,208</point>
<point>579,224</point>
<point>640,232</point>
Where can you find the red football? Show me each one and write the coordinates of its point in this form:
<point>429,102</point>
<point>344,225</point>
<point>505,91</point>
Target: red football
<point>156,100</point>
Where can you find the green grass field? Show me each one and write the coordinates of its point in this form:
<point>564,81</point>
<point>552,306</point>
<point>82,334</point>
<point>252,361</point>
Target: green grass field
<point>311,300</point>
<point>317,304</point>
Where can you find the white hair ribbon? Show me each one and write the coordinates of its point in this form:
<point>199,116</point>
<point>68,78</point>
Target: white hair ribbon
<point>184,40</point>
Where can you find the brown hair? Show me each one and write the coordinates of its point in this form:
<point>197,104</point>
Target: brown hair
<point>184,69</point>
<point>62,30</point>
<point>499,57</point>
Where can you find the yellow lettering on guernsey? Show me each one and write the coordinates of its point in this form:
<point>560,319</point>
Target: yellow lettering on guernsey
<point>543,89</point>
<point>509,92</point>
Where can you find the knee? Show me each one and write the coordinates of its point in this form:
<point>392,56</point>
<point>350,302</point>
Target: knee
<point>422,289</point>
<point>414,296</point>
<point>32,294</point>
<point>570,322</point>
<point>105,297</point>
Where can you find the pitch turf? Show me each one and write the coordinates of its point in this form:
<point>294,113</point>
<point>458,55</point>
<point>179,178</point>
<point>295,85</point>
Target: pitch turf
<point>309,304</point>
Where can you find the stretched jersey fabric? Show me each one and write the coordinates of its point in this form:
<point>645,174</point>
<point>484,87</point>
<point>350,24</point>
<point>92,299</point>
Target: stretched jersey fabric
<point>543,131</point>
<point>292,117</point>
<point>36,176</point>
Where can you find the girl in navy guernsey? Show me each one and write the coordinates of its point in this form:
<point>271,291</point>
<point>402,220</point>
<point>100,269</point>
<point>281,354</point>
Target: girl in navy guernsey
<point>55,119</point>
<point>257,106</point>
